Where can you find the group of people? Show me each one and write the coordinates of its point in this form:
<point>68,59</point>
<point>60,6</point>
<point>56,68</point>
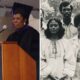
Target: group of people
<point>59,47</point>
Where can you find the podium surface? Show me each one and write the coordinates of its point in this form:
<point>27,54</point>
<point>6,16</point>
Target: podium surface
<point>16,63</point>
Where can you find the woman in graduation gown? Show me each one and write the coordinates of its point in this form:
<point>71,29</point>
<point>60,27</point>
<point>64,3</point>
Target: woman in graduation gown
<point>26,37</point>
<point>57,61</point>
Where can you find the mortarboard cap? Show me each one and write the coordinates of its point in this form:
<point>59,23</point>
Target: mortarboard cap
<point>23,9</point>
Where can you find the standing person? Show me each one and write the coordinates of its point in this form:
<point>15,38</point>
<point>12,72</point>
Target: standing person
<point>66,10</point>
<point>57,59</point>
<point>26,37</point>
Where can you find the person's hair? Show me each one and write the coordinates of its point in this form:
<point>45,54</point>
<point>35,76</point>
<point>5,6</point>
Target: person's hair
<point>60,33</point>
<point>65,4</point>
<point>77,20</point>
<point>23,15</point>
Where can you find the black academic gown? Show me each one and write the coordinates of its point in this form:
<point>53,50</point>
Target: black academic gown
<point>28,39</point>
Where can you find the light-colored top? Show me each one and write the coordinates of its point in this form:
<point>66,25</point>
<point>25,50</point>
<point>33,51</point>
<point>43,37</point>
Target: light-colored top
<point>56,63</point>
<point>70,31</point>
<point>75,41</point>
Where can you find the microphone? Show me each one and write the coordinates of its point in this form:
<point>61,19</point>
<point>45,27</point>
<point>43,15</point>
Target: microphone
<point>3,28</point>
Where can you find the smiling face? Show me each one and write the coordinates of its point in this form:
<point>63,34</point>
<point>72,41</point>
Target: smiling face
<point>53,27</point>
<point>18,20</point>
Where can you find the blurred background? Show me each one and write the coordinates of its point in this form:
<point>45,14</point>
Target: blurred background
<point>6,16</point>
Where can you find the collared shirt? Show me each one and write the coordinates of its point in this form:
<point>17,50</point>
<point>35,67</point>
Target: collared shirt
<point>70,30</point>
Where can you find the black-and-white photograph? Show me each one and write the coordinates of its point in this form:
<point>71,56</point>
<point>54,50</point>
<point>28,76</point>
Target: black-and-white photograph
<point>60,40</point>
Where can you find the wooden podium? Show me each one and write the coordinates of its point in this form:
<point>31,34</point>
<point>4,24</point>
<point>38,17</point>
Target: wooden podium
<point>16,63</point>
